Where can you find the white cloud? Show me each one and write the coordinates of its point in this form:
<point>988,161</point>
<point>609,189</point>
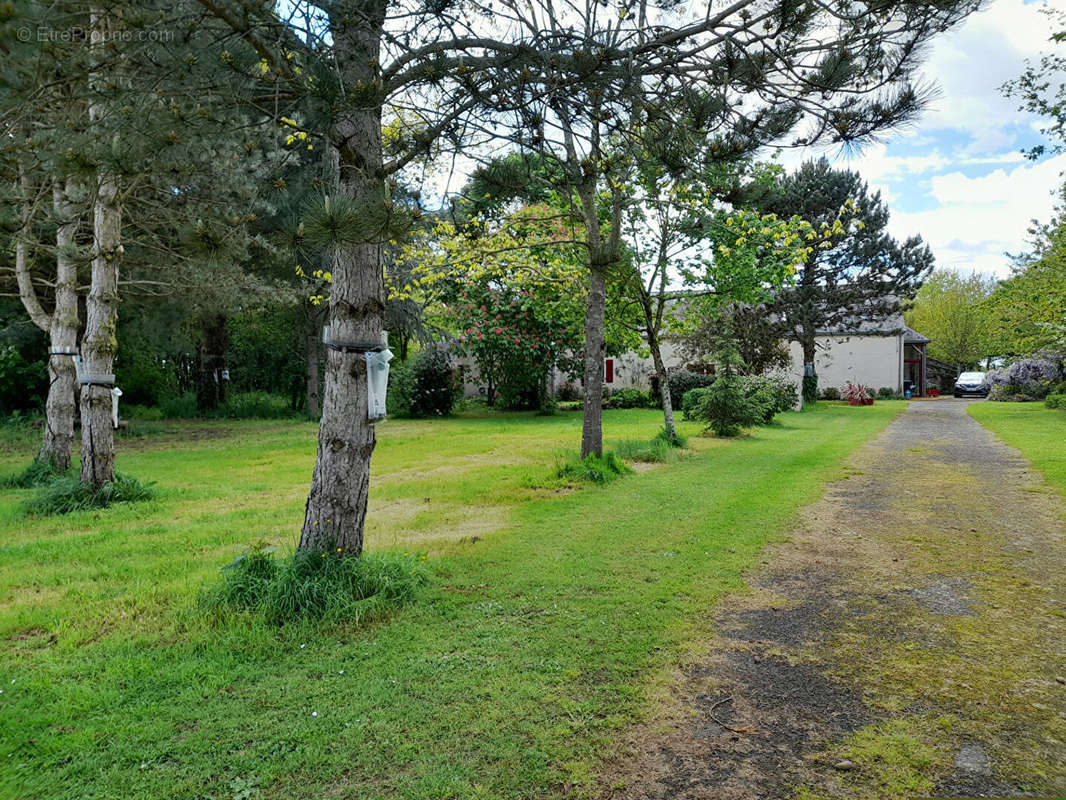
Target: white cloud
<point>970,64</point>
<point>980,218</point>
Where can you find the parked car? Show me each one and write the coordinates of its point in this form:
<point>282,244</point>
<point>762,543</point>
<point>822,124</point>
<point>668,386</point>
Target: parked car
<point>971,383</point>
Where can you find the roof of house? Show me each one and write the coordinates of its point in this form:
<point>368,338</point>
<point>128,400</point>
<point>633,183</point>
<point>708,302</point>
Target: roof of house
<point>911,336</point>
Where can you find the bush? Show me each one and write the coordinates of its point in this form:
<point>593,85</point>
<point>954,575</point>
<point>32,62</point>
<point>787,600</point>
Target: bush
<point>726,407</point>
<point>1031,378</point>
<point>401,388</point>
<point>682,381</point>
<point>776,392</point>
<point>66,495</point>
<point>1056,401</point>
<point>810,388</point>
<point>23,384</point>
<point>594,469</point>
<point>255,405</point>
<point>319,585</point>
<point>831,393</point>
<point>433,390</point>
<point>690,401</point>
<point>138,412</point>
<point>628,398</point>
<point>885,393</point>
<point>181,406</point>
<point>856,394</point>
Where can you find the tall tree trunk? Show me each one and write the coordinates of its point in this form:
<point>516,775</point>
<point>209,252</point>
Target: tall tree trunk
<point>312,347</point>
<point>101,319</point>
<point>595,347</point>
<point>664,383</point>
<point>336,504</point>
<point>58,441</point>
<point>211,358</point>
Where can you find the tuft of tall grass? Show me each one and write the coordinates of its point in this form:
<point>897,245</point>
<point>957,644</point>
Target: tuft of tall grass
<point>36,474</point>
<point>660,450</point>
<point>594,469</point>
<point>654,451</point>
<point>314,585</point>
<point>67,494</point>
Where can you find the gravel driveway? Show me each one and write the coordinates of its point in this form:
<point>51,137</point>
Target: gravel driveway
<point>908,638</point>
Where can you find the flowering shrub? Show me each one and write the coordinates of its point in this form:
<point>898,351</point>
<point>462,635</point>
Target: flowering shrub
<point>516,338</point>
<point>857,395</point>
<point>1028,378</point>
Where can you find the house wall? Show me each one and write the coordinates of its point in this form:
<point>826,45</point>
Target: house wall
<point>874,361</point>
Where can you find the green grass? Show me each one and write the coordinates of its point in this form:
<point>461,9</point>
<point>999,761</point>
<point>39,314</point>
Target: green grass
<point>550,618</point>
<point>1039,432</point>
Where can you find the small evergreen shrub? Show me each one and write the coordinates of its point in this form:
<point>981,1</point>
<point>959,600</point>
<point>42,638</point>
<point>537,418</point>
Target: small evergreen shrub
<point>433,391</point>
<point>726,407</point>
<point>810,388</point>
<point>67,494</point>
<point>315,585</point>
<point>628,398</point>
<point>1056,401</point>
<point>594,469</point>
<point>886,393</point>
<point>831,393</point>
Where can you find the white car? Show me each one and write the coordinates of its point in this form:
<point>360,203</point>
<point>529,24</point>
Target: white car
<point>971,383</point>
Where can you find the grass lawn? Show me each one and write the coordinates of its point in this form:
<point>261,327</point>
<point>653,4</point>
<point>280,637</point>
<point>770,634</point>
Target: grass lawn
<point>1039,432</point>
<point>551,615</point>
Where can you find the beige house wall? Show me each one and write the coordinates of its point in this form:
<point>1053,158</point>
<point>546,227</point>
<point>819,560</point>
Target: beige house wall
<point>874,361</point>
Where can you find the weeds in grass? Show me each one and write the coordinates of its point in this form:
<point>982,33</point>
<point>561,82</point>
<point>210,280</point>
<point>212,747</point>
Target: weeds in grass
<point>594,469</point>
<point>67,494</point>
<point>36,474</point>
<point>654,451</point>
<point>316,585</point>
<point>660,450</point>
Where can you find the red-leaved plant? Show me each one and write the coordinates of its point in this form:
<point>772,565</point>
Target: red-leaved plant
<point>856,395</point>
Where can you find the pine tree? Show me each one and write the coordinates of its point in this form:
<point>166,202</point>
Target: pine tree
<point>854,272</point>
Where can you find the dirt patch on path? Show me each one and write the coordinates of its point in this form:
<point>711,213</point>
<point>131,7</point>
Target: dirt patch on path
<point>906,640</point>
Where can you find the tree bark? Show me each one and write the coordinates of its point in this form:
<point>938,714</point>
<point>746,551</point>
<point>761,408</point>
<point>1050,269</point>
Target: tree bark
<point>101,318</point>
<point>312,347</point>
<point>595,308</point>
<point>211,358</point>
<point>336,504</point>
<point>58,441</point>
<point>664,383</point>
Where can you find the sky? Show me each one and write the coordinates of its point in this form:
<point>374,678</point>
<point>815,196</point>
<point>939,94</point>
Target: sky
<point>958,177</point>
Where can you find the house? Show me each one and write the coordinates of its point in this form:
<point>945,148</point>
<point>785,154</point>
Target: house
<point>877,354</point>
